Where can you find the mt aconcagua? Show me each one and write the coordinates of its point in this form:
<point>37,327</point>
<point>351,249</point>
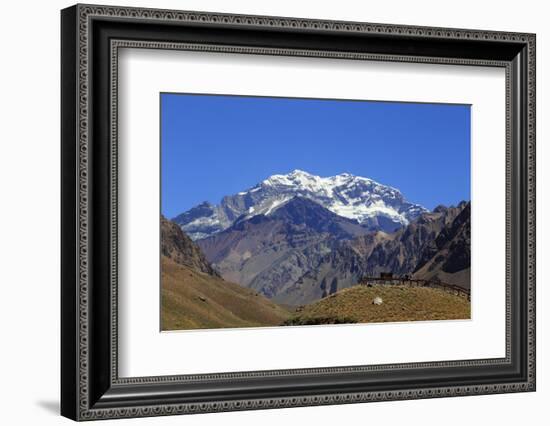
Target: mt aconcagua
<point>369,203</point>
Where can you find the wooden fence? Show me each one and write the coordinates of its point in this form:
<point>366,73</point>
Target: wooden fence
<point>409,282</point>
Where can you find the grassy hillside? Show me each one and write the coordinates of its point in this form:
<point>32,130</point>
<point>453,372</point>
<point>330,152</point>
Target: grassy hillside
<point>194,300</point>
<point>400,303</point>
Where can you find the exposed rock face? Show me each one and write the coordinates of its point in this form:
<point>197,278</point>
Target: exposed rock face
<point>372,254</point>
<point>447,257</point>
<point>202,220</point>
<point>456,241</point>
<point>181,249</point>
<point>305,213</point>
<point>402,252</point>
<point>303,252</point>
<point>371,204</point>
<point>268,253</point>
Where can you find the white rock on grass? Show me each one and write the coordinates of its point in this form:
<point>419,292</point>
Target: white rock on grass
<point>377,301</point>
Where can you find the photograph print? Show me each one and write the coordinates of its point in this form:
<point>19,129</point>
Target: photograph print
<point>280,212</point>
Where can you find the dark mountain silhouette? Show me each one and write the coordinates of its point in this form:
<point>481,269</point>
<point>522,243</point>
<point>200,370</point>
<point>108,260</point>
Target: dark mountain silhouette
<point>176,245</point>
<point>447,257</point>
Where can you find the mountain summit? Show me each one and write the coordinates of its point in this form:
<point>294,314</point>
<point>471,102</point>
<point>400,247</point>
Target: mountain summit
<point>373,205</point>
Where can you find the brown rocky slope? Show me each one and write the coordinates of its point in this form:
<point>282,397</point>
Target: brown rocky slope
<point>194,296</point>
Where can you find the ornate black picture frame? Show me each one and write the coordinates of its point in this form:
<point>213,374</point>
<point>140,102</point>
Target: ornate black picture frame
<point>91,36</point>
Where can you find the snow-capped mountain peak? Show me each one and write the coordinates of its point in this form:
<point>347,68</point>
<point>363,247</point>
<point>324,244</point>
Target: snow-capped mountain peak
<point>370,203</point>
<point>296,177</point>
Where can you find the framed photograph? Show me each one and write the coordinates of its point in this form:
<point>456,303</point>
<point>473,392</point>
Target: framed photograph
<point>263,212</point>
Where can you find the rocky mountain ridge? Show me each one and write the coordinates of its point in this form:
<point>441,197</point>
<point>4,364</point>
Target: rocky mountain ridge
<point>401,253</point>
<point>371,204</point>
<point>178,247</point>
<point>301,251</point>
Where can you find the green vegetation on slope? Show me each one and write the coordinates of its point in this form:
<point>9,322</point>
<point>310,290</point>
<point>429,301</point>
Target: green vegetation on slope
<point>400,303</point>
<point>195,300</point>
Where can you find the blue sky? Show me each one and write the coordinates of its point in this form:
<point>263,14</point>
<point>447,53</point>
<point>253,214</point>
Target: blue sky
<point>219,145</point>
